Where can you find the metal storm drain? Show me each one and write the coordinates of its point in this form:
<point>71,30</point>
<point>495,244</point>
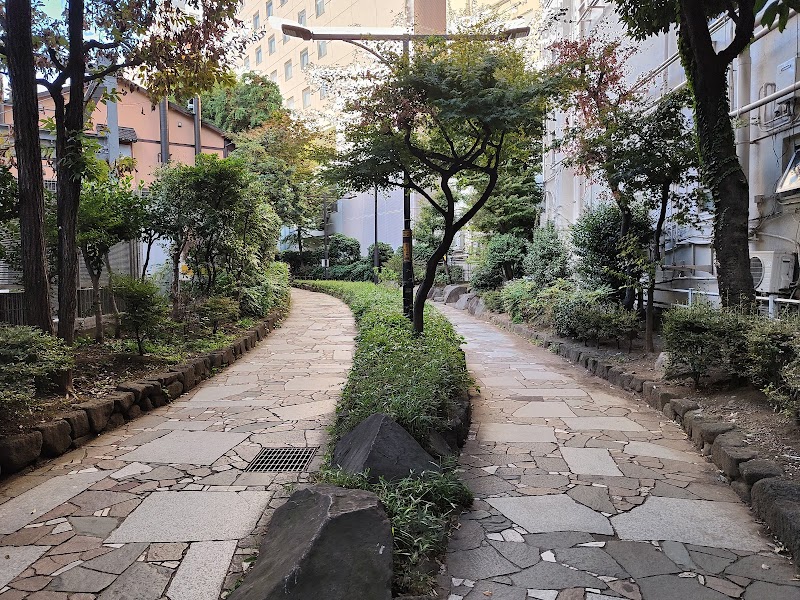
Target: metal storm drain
<point>282,460</point>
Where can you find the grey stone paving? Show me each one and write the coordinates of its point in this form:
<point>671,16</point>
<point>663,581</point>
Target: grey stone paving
<point>161,508</point>
<point>591,495</point>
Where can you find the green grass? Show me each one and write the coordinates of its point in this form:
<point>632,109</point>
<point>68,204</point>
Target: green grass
<point>416,380</point>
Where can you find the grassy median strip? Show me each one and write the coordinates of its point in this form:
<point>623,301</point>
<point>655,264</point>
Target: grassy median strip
<point>416,380</point>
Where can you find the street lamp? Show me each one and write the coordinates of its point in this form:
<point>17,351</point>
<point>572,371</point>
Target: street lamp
<point>356,35</point>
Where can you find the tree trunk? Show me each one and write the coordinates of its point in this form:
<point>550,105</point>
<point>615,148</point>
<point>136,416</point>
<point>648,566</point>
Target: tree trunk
<point>175,289</point>
<point>97,305</point>
<point>19,55</point>
<point>149,244</point>
<point>69,128</point>
<point>114,307</point>
<point>651,288</point>
<point>300,245</point>
<point>430,275</point>
<point>707,76</point>
<point>629,297</point>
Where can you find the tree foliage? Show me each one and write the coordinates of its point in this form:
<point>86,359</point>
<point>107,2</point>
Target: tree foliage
<point>245,105</point>
<point>449,110</point>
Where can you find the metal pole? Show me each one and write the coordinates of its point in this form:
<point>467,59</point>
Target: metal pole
<point>376,255</point>
<point>408,265</point>
<point>325,232</point>
<point>163,121</point>
<point>198,146</point>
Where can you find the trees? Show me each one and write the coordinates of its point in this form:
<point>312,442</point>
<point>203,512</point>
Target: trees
<point>248,103</point>
<point>176,52</point>
<point>18,50</point>
<point>450,109</point>
<point>109,213</point>
<point>706,70</point>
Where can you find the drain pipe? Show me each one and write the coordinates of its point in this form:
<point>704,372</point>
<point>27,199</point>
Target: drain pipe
<point>198,147</point>
<point>164,130</point>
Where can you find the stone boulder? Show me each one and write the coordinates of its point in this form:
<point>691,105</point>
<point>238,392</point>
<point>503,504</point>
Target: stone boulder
<point>324,542</point>
<point>776,501</point>
<point>18,451</point>
<point>453,292</point>
<point>463,300</point>
<point>98,412</point>
<point>56,438</point>
<point>382,447</point>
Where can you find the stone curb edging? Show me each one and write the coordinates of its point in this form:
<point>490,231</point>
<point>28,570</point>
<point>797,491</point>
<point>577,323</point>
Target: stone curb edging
<point>758,482</point>
<point>72,429</point>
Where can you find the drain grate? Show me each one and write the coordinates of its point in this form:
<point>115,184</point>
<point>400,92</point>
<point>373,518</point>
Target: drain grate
<point>282,460</point>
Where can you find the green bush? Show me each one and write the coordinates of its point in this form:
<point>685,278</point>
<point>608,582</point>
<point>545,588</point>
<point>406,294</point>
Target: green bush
<point>598,246</point>
<point>493,300</point>
<point>421,511</point>
<point>217,310</point>
<point>516,294</point>
<point>501,261</point>
<point>28,360</point>
<point>547,257</point>
<point>272,292</point>
<point>145,313</point>
<point>414,379</point>
<point>700,337</point>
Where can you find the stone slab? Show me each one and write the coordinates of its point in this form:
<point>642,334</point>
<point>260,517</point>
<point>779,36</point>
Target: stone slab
<point>214,393</point>
<point>480,563</point>
<point>602,423</point>
<point>700,522</point>
<point>15,559</point>
<point>590,461</point>
<point>29,506</point>
<point>117,560</point>
<point>307,410</point>
<point>658,451</point>
<point>192,517</point>
<point>544,514</point>
<point>545,410</point>
<point>551,392</point>
<point>202,572</point>
<point>186,447</point>
<point>186,425</point>
<point>507,432</point>
<point>142,581</point>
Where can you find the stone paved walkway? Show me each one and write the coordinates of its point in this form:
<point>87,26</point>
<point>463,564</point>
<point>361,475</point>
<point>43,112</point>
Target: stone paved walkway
<point>584,493</point>
<point>162,507</point>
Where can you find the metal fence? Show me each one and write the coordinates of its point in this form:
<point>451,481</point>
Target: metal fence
<point>13,310</point>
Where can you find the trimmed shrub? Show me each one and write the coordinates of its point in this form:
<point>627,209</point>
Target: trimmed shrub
<point>145,313</point>
<point>547,257</point>
<point>501,261</point>
<point>700,337</point>
<point>29,358</point>
<point>271,293</point>
<point>493,300</point>
<point>217,310</point>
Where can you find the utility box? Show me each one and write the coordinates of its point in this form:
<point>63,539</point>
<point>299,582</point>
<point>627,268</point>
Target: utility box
<point>786,74</point>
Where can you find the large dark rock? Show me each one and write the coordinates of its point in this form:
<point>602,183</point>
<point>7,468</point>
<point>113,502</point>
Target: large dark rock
<point>18,451</point>
<point>758,469</point>
<point>729,450</point>
<point>324,542</point>
<point>56,437</point>
<point>776,501</point>
<point>382,447</point>
<point>98,412</point>
<point>78,423</point>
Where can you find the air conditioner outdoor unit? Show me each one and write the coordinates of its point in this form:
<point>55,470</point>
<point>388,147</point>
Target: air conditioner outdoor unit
<point>772,271</point>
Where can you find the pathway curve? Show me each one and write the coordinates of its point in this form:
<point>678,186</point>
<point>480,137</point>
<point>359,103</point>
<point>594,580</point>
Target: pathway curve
<point>583,493</point>
<point>162,507</point>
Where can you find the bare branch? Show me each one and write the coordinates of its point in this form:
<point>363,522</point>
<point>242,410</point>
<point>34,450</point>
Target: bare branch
<point>114,68</point>
<point>97,45</point>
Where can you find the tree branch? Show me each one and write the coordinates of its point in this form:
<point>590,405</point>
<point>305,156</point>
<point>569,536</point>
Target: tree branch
<point>97,45</point>
<point>114,68</point>
<point>745,25</point>
<point>54,59</point>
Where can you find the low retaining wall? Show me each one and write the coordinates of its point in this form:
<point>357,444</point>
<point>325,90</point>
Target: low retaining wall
<point>758,482</point>
<point>86,420</point>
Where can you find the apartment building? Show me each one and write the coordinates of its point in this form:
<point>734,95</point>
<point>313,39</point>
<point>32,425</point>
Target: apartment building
<point>763,89</point>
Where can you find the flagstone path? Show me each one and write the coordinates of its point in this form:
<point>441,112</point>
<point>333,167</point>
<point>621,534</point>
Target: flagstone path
<point>584,493</point>
<point>162,507</point>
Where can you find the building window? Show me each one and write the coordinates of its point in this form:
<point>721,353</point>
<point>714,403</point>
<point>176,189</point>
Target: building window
<point>301,17</point>
<point>323,93</point>
<point>269,9</point>
<point>306,97</point>
<point>322,49</point>
<point>290,104</point>
<point>256,21</point>
<point>304,59</point>
<point>320,4</point>
<point>287,70</point>
<point>274,76</point>
<point>273,47</point>
<point>246,62</point>
<point>285,39</point>
<point>283,2</point>
<point>259,56</point>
